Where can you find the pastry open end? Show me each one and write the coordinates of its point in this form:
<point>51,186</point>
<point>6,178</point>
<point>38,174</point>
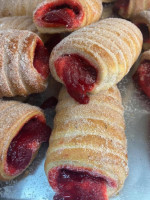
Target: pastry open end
<point>23,130</point>
<point>87,156</point>
<point>66,15</point>
<point>98,62</point>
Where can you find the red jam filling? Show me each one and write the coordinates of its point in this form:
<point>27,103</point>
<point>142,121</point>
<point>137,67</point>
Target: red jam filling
<point>142,77</point>
<point>78,75</point>
<point>121,5</point>
<point>49,103</point>
<point>145,32</point>
<point>67,14</point>
<point>41,59</point>
<point>25,144</point>
<point>80,186</point>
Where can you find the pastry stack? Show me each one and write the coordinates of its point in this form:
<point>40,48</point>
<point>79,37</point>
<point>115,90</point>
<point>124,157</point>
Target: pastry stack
<point>87,154</point>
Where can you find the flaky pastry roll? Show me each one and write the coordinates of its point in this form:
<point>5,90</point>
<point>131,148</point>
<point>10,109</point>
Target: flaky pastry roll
<point>24,64</point>
<point>55,16</point>
<point>22,131</point>
<point>87,156</point>
<point>142,75</point>
<point>96,57</point>
<point>142,20</point>
<point>18,7</point>
<point>129,8</point>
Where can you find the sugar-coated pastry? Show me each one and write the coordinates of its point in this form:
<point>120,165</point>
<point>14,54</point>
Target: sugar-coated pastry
<point>142,20</point>
<point>55,16</point>
<point>23,130</point>
<point>18,7</point>
<point>87,156</point>
<point>129,8</point>
<point>24,66</point>
<point>96,57</point>
<point>142,75</point>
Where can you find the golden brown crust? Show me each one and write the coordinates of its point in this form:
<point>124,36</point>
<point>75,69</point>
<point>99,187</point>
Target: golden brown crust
<point>92,10</point>
<point>13,116</point>
<point>135,6</point>
<point>111,45</point>
<point>83,139</point>
<point>18,7</point>
<point>17,73</point>
<point>143,17</point>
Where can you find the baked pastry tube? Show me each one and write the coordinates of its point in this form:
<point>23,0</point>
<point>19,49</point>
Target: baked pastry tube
<point>142,20</point>
<point>24,64</point>
<point>22,131</point>
<point>142,75</point>
<point>55,16</point>
<point>18,7</point>
<point>129,8</point>
<point>96,57</point>
<point>87,155</point>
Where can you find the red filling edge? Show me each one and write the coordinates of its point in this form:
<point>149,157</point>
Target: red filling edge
<point>145,32</point>
<point>25,145</point>
<point>72,183</point>
<point>142,77</point>
<point>41,59</point>
<point>121,5</point>
<point>78,75</point>
<point>63,13</point>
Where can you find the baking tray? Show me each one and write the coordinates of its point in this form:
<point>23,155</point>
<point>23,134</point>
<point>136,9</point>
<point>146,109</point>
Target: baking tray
<point>33,184</point>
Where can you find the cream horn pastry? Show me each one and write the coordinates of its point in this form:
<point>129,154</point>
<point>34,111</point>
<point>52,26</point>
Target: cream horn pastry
<point>142,75</point>
<point>96,57</point>
<point>23,130</point>
<point>24,66</point>
<point>87,155</point>
<point>55,16</point>
<point>142,20</point>
<point>18,7</point>
<point>129,8</point>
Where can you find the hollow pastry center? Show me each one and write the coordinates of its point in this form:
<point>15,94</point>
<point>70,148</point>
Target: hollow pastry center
<point>78,75</point>
<point>41,59</point>
<point>142,77</point>
<point>25,145</point>
<point>121,6</point>
<point>145,31</point>
<point>67,14</point>
<point>74,185</point>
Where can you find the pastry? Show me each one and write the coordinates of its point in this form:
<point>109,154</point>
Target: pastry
<point>129,8</point>
<point>18,7</point>
<point>142,75</point>
<point>87,155</point>
<point>23,130</point>
<point>55,16</point>
<point>24,64</point>
<point>142,20</point>
<point>98,62</point>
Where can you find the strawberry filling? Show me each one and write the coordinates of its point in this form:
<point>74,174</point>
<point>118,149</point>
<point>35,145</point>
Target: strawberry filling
<point>142,77</point>
<point>121,5</point>
<point>78,75</point>
<point>67,14</point>
<point>144,29</point>
<point>41,60</point>
<point>25,145</point>
<point>81,185</point>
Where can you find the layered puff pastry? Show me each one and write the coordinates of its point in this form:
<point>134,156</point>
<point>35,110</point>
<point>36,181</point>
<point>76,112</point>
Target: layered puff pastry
<point>18,7</point>
<point>142,20</point>
<point>24,64</point>
<point>129,8</point>
<point>142,75</point>
<point>22,131</point>
<point>87,156</point>
<point>55,16</point>
<point>96,57</point>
